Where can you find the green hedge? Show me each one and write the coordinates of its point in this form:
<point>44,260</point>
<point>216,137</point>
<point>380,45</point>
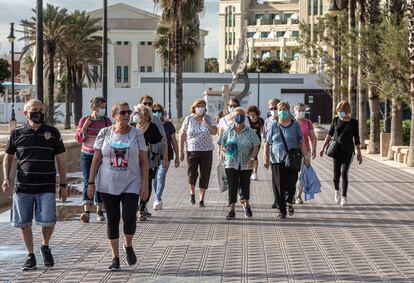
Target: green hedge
<point>406,130</point>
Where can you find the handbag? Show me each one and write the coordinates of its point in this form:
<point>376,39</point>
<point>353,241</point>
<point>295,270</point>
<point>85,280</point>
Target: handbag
<point>222,178</point>
<point>333,146</point>
<point>293,158</point>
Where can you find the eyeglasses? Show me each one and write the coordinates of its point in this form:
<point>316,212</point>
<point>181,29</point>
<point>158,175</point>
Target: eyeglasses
<point>274,108</point>
<point>147,103</point>
<point>125,112</point>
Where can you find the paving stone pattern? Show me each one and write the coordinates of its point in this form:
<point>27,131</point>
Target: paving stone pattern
<point>371,240</point>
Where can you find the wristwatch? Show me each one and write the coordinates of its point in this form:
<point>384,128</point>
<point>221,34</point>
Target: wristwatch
<point>252,158</point>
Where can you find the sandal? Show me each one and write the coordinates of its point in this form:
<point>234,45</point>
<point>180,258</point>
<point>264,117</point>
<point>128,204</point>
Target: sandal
<point>281,216</point>
<point>291,209</point>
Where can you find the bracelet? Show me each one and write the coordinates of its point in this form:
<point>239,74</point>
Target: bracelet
<point>91,183</point>
<point>7,178</point>
<point>63,185</point>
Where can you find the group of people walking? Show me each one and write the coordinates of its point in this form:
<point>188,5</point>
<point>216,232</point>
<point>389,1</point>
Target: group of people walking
<point>125,158</point>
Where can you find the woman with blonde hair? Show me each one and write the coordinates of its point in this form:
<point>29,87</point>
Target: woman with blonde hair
<point>196,139</point>
<point>120,171</point>
<point>344,130</point>
<point>240,145</point>
<point>153,139</point>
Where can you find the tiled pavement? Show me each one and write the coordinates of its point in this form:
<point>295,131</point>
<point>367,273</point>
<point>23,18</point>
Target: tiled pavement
<point>371,240</point>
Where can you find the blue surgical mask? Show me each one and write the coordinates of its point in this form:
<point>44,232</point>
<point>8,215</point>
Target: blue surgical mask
<point>157,114</point>
<point>283,114</point>
<point>341,115</point>
<point>239,119</point>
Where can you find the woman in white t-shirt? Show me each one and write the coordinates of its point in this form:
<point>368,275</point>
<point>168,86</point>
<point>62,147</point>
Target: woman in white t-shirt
<point>120,170</point>
<point>227,121</point>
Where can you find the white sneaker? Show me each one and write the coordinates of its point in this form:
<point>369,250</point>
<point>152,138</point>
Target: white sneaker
<point>253,177</point>
<point>344,201</point>
<point>337,197</point>
<point>157,205</point>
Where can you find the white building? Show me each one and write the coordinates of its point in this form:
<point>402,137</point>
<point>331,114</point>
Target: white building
<point>272,29</point>
<point>131,51</point>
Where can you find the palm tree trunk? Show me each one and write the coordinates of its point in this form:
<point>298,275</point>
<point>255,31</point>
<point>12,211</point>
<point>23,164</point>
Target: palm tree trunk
<point>178,69</point>
<point>352,92</point>
<point>362,90</point>
<point>374,131</point>
<point>67,97</point>
<point>78,94</point>
<point>410,8</point>
<point>50,89</point>
<point>396,126</point>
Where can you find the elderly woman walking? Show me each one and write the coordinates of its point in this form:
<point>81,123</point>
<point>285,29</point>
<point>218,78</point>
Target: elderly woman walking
<point>284,136</point>
<point>240,145</point>
<point>196,139</point>
<point>120,172</point>
<point>88,128</point>
<point>309,138</point>
<point>344,130</point>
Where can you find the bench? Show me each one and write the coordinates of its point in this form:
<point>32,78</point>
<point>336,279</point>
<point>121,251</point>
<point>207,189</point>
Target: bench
<point>400,153</point>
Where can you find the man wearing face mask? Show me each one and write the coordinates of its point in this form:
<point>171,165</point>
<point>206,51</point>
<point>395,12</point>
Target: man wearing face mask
<point>37,146</point>
<point>272,104</point>
<point>88,129</point>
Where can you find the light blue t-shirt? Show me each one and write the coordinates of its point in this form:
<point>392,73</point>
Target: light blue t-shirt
<point>293,136</point>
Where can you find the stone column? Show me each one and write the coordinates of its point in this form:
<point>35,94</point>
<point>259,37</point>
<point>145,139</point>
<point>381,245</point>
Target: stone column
<point>134,64</point>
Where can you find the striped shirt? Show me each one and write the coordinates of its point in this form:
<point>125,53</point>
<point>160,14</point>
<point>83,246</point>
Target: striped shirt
<point>88,139</point>
<point>35,152</point>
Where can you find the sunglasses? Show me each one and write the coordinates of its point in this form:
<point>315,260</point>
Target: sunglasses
<point>125,112</point>
<point>156,111</point>
<point>271,109</point>
<point>147,103</point>
<point>232,105</point>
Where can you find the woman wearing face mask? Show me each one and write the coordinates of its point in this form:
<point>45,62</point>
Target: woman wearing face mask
<point>142,117</point>
<point>283,178</point>
<point>227,121</point>
<point>345,129</point>
<point>88,128</point>
<point>196,139</point>
<point>240,145</point>
<point>120,166</point>
<point>257,124</point>
<point>158,182</point>
<point>308,133</point>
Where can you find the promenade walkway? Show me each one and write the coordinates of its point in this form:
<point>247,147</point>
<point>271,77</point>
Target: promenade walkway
<point>371,240</point>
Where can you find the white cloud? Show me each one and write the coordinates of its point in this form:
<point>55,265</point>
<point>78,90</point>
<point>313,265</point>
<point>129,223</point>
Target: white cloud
<point>16,10</point>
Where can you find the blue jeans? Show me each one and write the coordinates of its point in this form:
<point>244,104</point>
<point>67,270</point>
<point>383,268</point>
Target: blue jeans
<point>158,183</point>
<point>86,163</point>
<point>44,206</point>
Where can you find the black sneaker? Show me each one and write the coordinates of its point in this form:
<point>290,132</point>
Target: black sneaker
<point>291,210</point>
<point>275,206</point>
<point>146,213</point>
<point>231,215</point>
<point>30,263</point>
<point>131,258</point>
<point>115,266</point>
<point>201,204</point>
<point>192,199</point>
<point>248,210</point>
<point>47,256</point>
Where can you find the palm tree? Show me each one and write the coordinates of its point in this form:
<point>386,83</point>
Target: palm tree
<point>54,29</point>
<point>410,8</point>
<point>180,19</point>
<point>81,50</point>
<point>27,66</point>
<point>373,16</point>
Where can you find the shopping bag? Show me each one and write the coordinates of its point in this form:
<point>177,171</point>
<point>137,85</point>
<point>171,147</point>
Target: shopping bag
<point>222,178</point>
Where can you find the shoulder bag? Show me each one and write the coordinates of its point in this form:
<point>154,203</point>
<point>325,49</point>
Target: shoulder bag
<point>333,146</point>
<point>293,158</point>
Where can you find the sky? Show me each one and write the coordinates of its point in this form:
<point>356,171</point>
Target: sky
<point>16,10</point>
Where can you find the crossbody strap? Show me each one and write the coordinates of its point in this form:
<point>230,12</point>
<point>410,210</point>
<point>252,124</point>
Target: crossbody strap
<point>338,139</point>
<point>283,138</point>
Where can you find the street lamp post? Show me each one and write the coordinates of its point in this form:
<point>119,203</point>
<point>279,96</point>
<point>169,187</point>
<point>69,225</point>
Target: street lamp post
<point>105,51</point>
<point>39,50</point>
<point>258,70</point>
<point>164,80</point>
<point>169,76</point>
<point>11,38</point>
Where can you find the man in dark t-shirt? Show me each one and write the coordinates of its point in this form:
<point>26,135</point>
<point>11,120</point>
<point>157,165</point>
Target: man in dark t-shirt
<point>37,146</point>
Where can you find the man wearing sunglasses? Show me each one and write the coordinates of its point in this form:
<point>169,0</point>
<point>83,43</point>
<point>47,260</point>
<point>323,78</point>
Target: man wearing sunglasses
<point>272,106</point>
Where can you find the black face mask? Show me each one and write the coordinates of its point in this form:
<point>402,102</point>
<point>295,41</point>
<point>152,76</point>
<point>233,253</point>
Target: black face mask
<point>37,117</point>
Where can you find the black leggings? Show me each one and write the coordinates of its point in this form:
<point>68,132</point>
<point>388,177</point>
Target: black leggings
<point>284,185</point>
<point>238,179</point>
<point>151,175</point>
<point>113,211</point>
<point>341,163</point>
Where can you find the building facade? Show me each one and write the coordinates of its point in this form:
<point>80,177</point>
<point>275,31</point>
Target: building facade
<point>131,51</point>
<point>271,28</point>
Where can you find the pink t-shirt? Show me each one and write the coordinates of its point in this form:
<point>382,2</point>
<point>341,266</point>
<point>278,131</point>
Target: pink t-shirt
<point>88,139</point>
<point>306,126</point>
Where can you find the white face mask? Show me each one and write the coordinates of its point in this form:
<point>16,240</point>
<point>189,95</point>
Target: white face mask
<point>136,119</point>
<point>274,114</point>
<point>230,108</point>
<point>300,114</point>
<point>199,111</point>
<point>341,115</point>
<point>101,112</point>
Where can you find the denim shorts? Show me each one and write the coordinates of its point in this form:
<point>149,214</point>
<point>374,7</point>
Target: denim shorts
<point>44,206</point>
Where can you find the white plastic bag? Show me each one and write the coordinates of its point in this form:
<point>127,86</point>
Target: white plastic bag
<point>222,178</point>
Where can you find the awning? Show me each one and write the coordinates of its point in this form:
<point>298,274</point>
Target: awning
<point>8,85</point>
